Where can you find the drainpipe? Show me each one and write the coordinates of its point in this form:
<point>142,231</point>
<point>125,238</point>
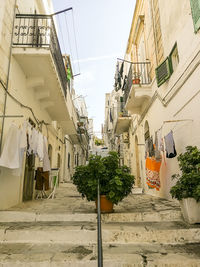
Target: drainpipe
<point>8,75</point>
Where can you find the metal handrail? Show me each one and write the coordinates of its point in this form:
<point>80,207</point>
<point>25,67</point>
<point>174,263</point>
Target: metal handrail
<point>38,31</point>
<point>99,233</point>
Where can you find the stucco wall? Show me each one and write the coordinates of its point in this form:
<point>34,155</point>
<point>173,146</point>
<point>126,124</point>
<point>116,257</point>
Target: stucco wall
<point>12,184</point>
<point>179,97</point>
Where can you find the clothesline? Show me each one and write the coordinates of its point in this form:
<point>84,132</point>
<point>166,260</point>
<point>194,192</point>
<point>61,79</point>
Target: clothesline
<point>169,121</point>
<point>26,138</point>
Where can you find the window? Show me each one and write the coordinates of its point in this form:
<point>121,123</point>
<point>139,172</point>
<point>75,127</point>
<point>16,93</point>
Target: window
<point>163,72</point>
<point>195,7</point>
<point>174,58</point>
<point>168,66</point>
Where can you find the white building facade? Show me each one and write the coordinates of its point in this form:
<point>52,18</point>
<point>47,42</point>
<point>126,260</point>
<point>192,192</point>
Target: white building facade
<point>34,89</point>
<point>161,92</point>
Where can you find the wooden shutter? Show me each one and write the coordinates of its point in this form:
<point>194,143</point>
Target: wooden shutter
<point>163,72</point>
<point>195,6</point>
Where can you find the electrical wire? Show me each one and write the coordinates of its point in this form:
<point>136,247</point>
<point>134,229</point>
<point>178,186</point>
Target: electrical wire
<point>29,108</point>
<point>65,50</point>
<point>70,47</point>
<point>22,105</point>
<point>75,40</point>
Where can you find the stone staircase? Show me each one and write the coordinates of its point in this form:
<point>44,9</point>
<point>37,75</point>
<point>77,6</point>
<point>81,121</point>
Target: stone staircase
<point>143,231</point>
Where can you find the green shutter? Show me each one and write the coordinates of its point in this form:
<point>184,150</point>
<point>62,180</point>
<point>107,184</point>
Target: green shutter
<point>163,72</point>
<point>195,6</point>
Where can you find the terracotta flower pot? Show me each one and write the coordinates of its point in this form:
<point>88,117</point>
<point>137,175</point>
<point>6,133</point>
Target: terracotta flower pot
<point>106,205</point>
<point>136,81</point>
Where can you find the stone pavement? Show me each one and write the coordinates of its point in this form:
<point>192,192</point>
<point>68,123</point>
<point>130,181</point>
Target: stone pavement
<point>143,231</point>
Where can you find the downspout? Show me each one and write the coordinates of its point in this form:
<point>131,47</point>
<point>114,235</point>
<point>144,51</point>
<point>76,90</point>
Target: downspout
<point>8,75</point>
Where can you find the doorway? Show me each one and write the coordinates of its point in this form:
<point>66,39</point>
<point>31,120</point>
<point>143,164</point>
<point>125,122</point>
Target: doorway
<point>138,176</point>
<point>29,177</point>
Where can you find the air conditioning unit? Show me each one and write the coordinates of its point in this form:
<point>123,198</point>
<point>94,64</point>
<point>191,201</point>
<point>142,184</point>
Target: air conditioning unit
<point>126,137</point>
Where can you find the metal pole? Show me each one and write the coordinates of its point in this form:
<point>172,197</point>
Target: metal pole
<point>64,10</point>
<point>8,75</point>
<point>100,254</point>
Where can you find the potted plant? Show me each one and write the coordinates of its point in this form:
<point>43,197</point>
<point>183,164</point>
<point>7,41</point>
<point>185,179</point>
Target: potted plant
<point>187,187</point>
<point>136,77</point>
<point>115,181</point>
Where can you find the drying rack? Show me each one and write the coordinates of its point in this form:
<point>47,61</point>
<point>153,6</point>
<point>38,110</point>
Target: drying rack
<point>54,174</point>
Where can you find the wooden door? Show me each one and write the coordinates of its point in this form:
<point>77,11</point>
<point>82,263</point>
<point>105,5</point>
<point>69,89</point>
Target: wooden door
<point>29,177</point>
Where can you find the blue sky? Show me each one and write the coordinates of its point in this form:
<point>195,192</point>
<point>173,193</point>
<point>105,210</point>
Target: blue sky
<point>102,29</point>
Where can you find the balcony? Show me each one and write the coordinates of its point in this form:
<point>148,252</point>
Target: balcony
<point>37,51</point>
<point>81,134</point>
<point>137,89</point>
<point>123,119</point>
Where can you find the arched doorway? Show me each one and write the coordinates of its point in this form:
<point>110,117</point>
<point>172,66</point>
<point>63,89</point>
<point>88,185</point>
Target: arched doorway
<point>138,176</point>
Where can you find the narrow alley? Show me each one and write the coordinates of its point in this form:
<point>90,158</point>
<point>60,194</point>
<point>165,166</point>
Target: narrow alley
<point>99,133</point>
<point>143,231</point>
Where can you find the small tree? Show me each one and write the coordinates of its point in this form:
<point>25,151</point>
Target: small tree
<point>115,182</point>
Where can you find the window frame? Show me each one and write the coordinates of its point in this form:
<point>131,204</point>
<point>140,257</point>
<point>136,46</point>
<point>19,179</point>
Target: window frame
<point>160,82</point>
<point>195,12</point>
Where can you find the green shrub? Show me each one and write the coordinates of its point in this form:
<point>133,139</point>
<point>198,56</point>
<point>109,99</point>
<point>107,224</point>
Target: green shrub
<point>115,181</point>
<point>188,182</point>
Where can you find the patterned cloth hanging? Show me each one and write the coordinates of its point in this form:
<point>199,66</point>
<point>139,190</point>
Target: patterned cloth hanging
<point>152,173</point>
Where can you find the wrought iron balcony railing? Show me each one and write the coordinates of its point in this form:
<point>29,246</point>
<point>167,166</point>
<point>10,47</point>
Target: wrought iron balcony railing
<point>39,31</point>
<point>139,73</point>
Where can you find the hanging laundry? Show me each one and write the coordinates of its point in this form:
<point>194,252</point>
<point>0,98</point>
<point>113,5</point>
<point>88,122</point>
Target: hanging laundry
<point>121,69</point>
<point>10,157</point>
<point>170,145</point>
<point>22,148</point>
<point>160,141</point>
<point>152,173</point>
<point>29,133</point>
<point>124,83</point>
<point>23,136</point>
<point>40,146</point>
<point>157,151</point>
<point>46,161</point>
<point>33,141</point>
<point>149,148</point>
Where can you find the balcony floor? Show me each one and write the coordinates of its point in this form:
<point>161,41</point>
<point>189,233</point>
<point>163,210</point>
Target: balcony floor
<point>37,63</point>
<point>138,96</point>
<point>122,124</point>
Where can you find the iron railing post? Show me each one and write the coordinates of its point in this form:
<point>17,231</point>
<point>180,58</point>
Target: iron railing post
<point>99,234</point>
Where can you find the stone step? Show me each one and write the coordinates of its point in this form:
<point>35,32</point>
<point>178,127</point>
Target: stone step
<point>137,190</point>
<point>29,255</point>
<point>113,233</point>
<point>25,216</point>
<point>20,216</point>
